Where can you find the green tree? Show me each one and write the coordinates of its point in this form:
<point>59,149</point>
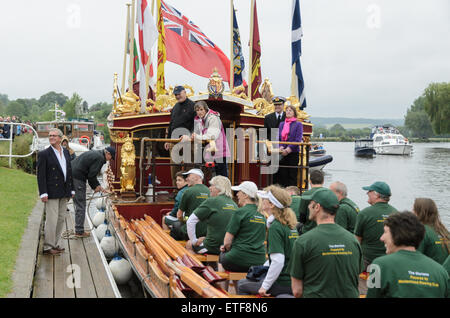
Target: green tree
<point>51,98</point>
<point>417,120</point>
<point>71,106</point>
<point>16,108</point>
<point>337,130</point>
<point>437,106</point>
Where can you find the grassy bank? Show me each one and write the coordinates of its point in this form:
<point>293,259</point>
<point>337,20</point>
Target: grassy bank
<point>21,146</point>
<point>18,194</point>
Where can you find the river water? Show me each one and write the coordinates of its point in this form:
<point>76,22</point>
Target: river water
<point>426,173</point>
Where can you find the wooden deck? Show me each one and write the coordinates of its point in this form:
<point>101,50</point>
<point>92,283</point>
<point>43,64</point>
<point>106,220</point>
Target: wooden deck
<point>79,272</point>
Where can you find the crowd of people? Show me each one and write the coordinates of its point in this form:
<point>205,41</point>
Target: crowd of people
<point>7,130</point>
<point>317,244</point>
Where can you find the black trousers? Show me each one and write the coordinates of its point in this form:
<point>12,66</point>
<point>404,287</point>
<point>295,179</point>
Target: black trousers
<point>287,176</point>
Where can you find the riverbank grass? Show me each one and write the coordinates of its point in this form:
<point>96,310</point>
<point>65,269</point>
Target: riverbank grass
<point>18,194</point>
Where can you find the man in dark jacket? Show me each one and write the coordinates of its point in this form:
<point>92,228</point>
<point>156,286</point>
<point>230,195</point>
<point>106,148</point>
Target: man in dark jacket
<point>54,175</point>
<point>181,116</point>
<point>86,167</point>
<point>273,120</point>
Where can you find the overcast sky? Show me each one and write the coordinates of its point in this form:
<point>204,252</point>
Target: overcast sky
<point>361,58</point>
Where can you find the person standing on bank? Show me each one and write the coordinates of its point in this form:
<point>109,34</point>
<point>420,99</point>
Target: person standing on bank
<point>54,176</point>
<point>208,126</point>
<point>181,116</point>
<point>369,222</point>
<point>86,167</point>
<point>290,130</point>
<point>404,272</point>
<point>325,261</point>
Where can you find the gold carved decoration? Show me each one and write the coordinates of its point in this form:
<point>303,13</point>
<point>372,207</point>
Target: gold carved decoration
<point>266,90</point>
<point>127,166</point>
<point>118,137</point>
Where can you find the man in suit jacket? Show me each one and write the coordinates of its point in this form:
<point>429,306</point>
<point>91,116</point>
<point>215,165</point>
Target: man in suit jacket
<point>274,119</point>
<point>54,174</point>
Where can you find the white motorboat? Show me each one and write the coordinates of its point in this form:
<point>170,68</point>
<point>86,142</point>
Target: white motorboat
<point>387,140</point>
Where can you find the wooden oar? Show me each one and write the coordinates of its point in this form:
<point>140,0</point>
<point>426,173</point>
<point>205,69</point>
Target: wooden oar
<point>196,282</point>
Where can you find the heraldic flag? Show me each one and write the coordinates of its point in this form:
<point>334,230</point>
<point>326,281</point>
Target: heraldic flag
<point>256,57</point>
<point>238,58</point>
<point>188,46</point>
<point>297,85</point>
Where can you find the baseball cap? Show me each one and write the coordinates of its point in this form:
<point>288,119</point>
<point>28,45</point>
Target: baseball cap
<point>325,197</point>
<point>112,151</point>
<point>178,89</point>
<point>247,187</point>
<point>380,187</point>
<point>198,172</point>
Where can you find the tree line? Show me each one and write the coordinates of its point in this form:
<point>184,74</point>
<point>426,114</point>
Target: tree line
<point>34,110</point>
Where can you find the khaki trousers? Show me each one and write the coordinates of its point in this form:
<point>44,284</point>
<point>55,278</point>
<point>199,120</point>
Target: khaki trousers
<point>55,213</point>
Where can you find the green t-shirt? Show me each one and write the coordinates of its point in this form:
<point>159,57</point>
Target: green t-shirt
<point>280,239</point>
<point>295,205</point>
<point>191,199</point>
<point>346,214</point>
<point>432,245</point>
<point>446,265</point>
<point>216,212</point>
<point>369,226</point>
<point>406,274</point>
<point>249,229</point>
<point>303,212</point>
<point>328,259</point>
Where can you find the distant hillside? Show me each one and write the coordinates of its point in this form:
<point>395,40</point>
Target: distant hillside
<point>354,122</point>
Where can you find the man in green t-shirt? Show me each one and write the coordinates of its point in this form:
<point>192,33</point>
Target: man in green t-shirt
<point>294,192</point>
<point>404,272</point>
<point>316,180</point>
<point>369,222</point>
<point>348,210</point>
<point>216,212</point>
<point>325,261</point>
<point>191,199</point>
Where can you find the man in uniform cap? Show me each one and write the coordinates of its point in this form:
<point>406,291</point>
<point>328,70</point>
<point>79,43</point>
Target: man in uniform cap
<point>86,167</point>
<point>324,251</point>
<point>274,119</point>
<point>369,222</point>
<point>181,116</point>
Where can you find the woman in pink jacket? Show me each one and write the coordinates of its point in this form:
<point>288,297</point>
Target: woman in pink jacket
<point>208,126</point>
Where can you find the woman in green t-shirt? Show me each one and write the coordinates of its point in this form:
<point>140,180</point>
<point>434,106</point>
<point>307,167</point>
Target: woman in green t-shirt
<point>435,244</point>
<point>243,244</point>
<point>281,236</point>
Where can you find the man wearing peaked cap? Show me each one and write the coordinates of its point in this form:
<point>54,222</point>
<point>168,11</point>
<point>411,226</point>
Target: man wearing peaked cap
<point>274,119</point>
<point>324,251</point>
<point>369,222</point>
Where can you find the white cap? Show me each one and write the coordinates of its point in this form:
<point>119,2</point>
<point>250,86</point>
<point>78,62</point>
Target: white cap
<point>269,196</point>
<point>195,171</point>
<point>247,187</point>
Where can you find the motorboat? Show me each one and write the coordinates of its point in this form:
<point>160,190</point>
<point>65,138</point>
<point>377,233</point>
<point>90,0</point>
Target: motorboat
<point>364,148</point>
<point>387,140</point>
<point>317,149</point>
<point>318,163</point>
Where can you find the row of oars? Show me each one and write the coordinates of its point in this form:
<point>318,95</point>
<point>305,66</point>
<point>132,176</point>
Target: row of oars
<point>172,258</point>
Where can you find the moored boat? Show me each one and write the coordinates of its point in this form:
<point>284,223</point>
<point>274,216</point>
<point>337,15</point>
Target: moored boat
<point>387,140</point>
<point>364,148</point>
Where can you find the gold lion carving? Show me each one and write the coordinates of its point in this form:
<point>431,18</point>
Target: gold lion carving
<point>127,166</point>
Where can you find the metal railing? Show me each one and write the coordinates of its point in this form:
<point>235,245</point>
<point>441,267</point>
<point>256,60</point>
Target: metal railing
<point>10,139</point>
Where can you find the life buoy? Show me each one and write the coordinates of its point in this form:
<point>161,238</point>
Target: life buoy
<point>81,140</point>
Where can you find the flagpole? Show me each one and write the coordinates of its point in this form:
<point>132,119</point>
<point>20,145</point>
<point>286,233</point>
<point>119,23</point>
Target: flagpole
<point>250,60</point>
<point>231,47</point>
<point>133,22</point>
<point>127,45</point>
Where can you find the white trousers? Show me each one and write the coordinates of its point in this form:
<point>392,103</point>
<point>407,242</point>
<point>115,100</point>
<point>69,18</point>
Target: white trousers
<point>55,214</point>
